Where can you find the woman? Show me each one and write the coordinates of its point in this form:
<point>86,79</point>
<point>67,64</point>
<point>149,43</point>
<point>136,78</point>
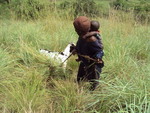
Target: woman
<point>89,52</point>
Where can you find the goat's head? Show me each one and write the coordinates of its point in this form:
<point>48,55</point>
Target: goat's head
<point>72,47</point>
<point>69,49</point>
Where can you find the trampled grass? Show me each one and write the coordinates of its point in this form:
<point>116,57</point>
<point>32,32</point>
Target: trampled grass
<point>30,83</point>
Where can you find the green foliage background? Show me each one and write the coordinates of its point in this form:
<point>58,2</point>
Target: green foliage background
<point>32,83</point>
<point>35,9</point>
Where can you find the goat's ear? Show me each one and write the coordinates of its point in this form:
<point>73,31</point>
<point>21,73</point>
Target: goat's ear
<point>72,44</point>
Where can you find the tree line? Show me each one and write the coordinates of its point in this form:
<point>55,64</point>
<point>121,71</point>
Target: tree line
<point>33,9</point>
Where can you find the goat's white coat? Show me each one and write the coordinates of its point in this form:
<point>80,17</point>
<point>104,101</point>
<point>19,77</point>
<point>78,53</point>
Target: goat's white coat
<point>60,58</point>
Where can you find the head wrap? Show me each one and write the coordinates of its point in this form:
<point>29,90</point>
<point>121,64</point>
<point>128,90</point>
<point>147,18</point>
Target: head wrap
<point>82,25</point>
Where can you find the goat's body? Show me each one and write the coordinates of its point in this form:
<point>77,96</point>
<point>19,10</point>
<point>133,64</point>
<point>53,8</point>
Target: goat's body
<point>59,57</point>
<point>56,56</point>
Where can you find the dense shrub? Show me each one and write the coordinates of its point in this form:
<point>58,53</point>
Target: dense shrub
<point>2,1</point>
<point>34,9</point>
<point>141,8</point>
<point>65,5</point>
<point>83,7</point>
<point>142,11</point>
<point>5,1</point>
<point>29,9</point>
<point>4,11</point>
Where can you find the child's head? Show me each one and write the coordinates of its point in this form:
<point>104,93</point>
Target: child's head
<point>94,25</point>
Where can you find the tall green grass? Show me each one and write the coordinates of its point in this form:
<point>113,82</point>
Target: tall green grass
<point>31,83</point>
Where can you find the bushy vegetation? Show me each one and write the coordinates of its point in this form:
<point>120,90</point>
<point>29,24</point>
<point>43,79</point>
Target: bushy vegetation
<point>35,9</point>
<point>28,9</point>
<point>32,83</point>
<point>85,7</point>
<point>141,8</point>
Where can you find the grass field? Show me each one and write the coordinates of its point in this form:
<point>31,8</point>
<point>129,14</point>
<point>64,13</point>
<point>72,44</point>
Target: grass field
<point>28,85</point>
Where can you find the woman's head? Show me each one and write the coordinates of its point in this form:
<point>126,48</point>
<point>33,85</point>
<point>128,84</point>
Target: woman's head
<point>82,25</point>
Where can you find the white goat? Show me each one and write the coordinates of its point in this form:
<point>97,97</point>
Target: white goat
<point>60,57</point>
